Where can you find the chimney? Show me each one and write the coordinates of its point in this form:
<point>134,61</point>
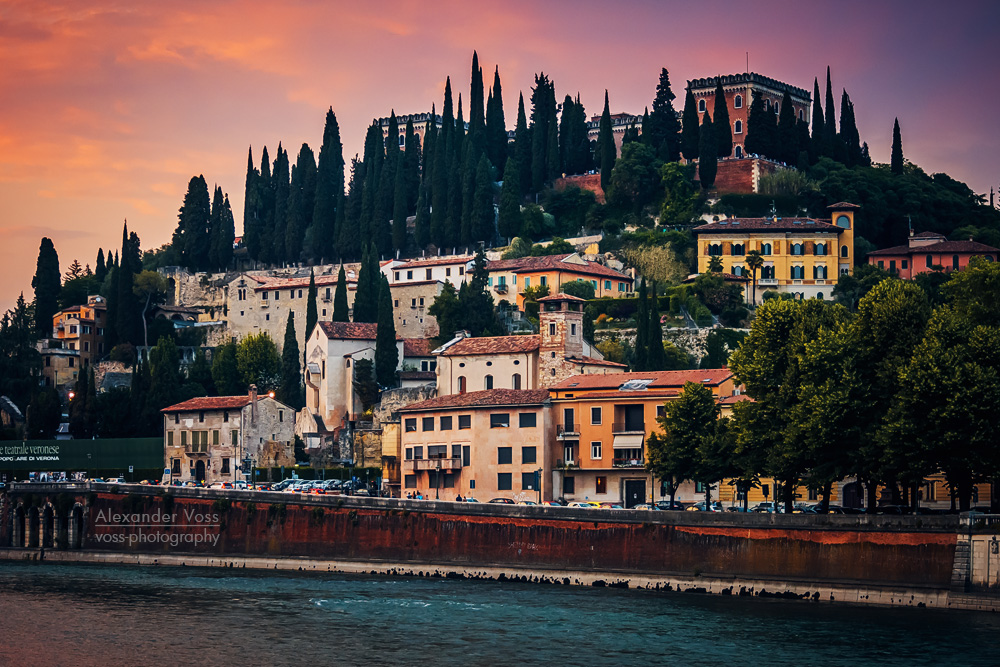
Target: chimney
<point>253,404</point>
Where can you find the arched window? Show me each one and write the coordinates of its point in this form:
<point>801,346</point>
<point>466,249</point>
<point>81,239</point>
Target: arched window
<point>767,105</point>
<point>802,116</point>
<point>954,262</point>
<point>843,221</point>
<point>765,249</point>
<point>777,108</point>
<point>844,251</point>
<point>461,384</point>
<point>796,248</point>
<point>701,106</point>
<point>739,151</point>
<point>737,250</point>
<point>798,272</point>
<point>488,382</point>
<point>715,249</point>
<point>738,102</point>
<point>819,272</point>
<point>516,381</point>
<point>819,249</point>
<point>988,258</point>
<point>738,127</point>
<point>737,270</point>
<point>819,295</point>
<point>930,262</point>
<point>767,273</point>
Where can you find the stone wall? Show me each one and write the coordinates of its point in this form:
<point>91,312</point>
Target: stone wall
<point>394,399</point>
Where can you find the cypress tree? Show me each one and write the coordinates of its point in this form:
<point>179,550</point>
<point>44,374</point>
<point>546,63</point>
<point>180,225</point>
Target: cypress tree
<point>787,145</point>
<point>191,237</point>
<point>290,389</point>
<point>580,158</point>
<point>607,153</point>
<point>223,234</point>
<point>266,207</point>
<point>477,117</point>
<point>364,299</point>
<point>656,358</point>
<point>411,167</point>
<point>663,126</point>
<point>721,125</point>
<point>482,214</point>
<point>896,158</point>
<point>100,270</point>
<point>214,226</point>
<point>251,209</point>
<point>329,199</point>
<point>374,157</point>
<point>456,180</point>
<point>386,354</point>
<point>305,205</point>
<point>817,147</point>
<point>510,202</point>
<point>281,186</point>
<point>640,359</point>
<point>128,318</point>
<point>849,135</point>
<point>444,144</point>
<point>349,233</point>
<point>707,160</point>
<point>830,131</point>
<point>565,136</point>
<point>522,148</point>
<point>689,132</point>
<point>312,313</point>
<point>340,309</point>
<point>543,123</point>
<point>427,159</point>
<point>47,284</point>
<point>422,223</point>
<point>381,227</point>
<point>756,142</point>
<point>399,209</point>
<point>552,157</point>
<point>496,125</point>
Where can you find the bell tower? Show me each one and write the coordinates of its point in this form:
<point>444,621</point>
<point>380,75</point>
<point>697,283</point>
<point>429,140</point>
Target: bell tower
<point>842,216</point>
<point>560,324</point>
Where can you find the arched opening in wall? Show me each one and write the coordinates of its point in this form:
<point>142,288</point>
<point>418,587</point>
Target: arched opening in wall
<point>488,382</point>
<point>701,106</point>
<point>739,151</point>
<point>461,384</point>
<point>853,495</point>
<point>76,527</point>
<point>738,127</point>
<point>48,527</point>
<point>738,102</point>
<point>843,251</point>
<point>17,532</point>
<point>515,381</point>
<point>31,539</point>
<point>199,471</point>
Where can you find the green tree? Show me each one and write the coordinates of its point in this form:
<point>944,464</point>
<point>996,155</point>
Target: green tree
<point>366,297</point>
<point>606,150</point>
<point>200,373</point>
<point>290,391</point>
<point>340,309</point>
<point>896,158</point>
<point>579,288</point>
<point>689,133</point>
<point>640,360</point>
<point>46,284</point>
<point>680,198</point>
<point>760,129</point>
<point>386,353</point>
<point>191,237</point>
<point>329,200</point>
<point>707,161</point>
<point>151,288</point>
<point>165,377</point>
<point>312,314</point>
<point>522,148</point>
<point>656,359</point>
<point>226,372</point>
<point>635,179</point>
<point>365,385</point>
<point>447,310</point>
<point>788,131</point>
<point>663,129</point>
<point>484,227</point>
<point>510,201</point>
<point>399,209</point>
<point>754,262</point>
<point>689,425</point>
<point>715,264</point>
<point>258,362</point>
<point>301,203</point>
<point>543,132</point>
<point>44,414</point>
<point>721,126</point>
<point>817,147</point>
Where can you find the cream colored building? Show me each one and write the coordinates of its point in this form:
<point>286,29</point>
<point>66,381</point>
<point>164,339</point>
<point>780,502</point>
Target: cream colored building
<point>483,444</point>
<point>533,361</point>
<point>206,439</point>
<point>450,269</point>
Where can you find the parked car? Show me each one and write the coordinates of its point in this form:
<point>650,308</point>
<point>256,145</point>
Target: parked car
<point>737,508</point>
<point>644,506</point>
<point>611,506</point>
<point>502,501</point>
<point>666,505</point>
<point>117,480</point>
<point>583,504</point>
<point>767,507</point>
<point>716,506</point>
<point>553,503</point>
<point>527,502</point>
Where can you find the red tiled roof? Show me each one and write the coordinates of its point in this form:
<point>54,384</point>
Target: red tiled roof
<point>291,283</point>
<point>590,361</point>
<point>349,330</point>
<point>843,205</point>
<point>738,398</point>
<point>661,379</point>
<point>488,398</point>
<point>494,345</point>
<point>561,296</point>
<point>210,403</point>
<point>617,395</point>
<point>944,247</point>
<point>436,261</point>
<point>417,347</point>
<point>554,263</point>
<point>736,225</point>
<point>928,235</point>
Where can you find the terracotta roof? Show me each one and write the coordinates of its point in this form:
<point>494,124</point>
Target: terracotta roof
<point>291,283</point>
<point>417,347</point>
<point>928,235</point>
<point>843,205</point>
<point>436,261</point>
<point>738,398</point>
<point>736,225</point>
<point>488,398</point>
<point>660,379</point>
<point>494,345</point>
<point>562,296</point>
<point>944,247</point>
<point>617,395</point>
<point>349,330</point>
<point>554,263</point>
<point>590,361</point>
<point>210,403</point>
<point>417,375</point>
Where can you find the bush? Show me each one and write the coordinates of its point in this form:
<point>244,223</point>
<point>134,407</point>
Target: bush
<point>733,317</point>
<point>703,317</point>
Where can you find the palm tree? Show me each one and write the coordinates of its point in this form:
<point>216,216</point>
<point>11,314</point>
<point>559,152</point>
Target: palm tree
<point>754,261</point>
<point>715,264</point>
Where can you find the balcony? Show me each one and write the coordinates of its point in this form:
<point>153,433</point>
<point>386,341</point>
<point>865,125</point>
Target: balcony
<point>628,463</point>
<point>620,428</point>
<point>199,448</point>
<point>500,289</point>
<point>767,281</point>
<point>414,465</point>
<point>567,431</point>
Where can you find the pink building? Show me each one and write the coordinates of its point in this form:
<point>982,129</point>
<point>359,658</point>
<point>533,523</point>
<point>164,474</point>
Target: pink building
<point>927,250</point>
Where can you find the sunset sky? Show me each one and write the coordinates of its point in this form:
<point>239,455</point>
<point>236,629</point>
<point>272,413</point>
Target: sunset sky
<point>107,109</point>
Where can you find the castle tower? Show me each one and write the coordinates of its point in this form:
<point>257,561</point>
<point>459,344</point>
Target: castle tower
<point>560,324</point>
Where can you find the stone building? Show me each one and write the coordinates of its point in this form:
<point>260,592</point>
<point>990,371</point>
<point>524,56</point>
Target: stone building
<point>619,123</point>
<point>208,438</point>
<point>77,340</point>
<point>740,90</point>
<point>531,361</point>
<point>451,269</point>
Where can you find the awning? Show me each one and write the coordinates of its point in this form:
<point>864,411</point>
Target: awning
<point>628,441</point>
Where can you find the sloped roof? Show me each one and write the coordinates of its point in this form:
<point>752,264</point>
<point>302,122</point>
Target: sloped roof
<point>300,282</point>
<point>417,347</point>
<point>737,225</point>
<point>554,263</point>
<point>561,296</point>
<point>929,235</point>
<point>494,345</point>
<point>591,361</point>
<point>349,330</point>
<point>487,398</point>
<point>436,261</point>
<point>210,403</point>
<point>660,379</point>
<point>843,205</point>
<point>944,247</point>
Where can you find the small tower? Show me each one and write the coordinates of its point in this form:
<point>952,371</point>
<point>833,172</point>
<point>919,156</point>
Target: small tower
<point>842,215</point>
<point>560,324</point>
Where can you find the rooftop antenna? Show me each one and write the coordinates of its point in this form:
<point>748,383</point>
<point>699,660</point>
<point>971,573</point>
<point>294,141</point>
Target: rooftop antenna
<point>774,211</point>
<point>748,62</point>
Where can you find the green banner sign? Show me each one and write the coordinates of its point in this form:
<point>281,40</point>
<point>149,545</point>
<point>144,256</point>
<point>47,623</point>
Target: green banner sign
<point>81,455</point>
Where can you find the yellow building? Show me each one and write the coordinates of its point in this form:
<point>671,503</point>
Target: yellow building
<point>803,256</point>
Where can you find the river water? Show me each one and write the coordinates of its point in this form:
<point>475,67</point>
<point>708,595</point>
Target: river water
<point>55,614</point>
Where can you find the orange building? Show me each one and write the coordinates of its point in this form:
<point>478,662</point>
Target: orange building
<point>926,251</point>
<point>516,275</point>
<point>77,340</point>
<point>484,444</point>
<point>601,424</point>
